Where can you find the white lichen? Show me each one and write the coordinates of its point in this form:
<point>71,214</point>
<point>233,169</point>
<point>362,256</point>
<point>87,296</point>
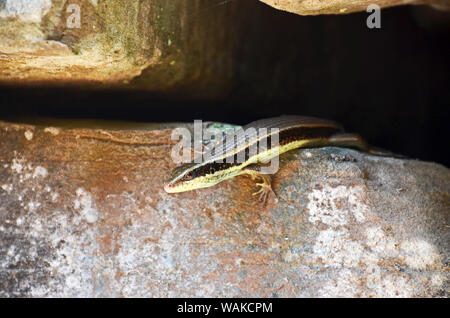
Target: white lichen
<point>392,285</point>
<point>19,221</point>
<point>52,130</point>
<point>85,204</point>
<point>26,10</point>
<point>32,206</point>
<point>40,172</point>
<point>74,260</point>
<point>7,187</point>
<point>334,205</point>
<point>54,196</point>
<point>336,248</point>
<point>17,166</point>
<point>344,285</point>
<point>28,135</point>
<point>379,242</point>
<point>364,267</point>
<point>419,254</point>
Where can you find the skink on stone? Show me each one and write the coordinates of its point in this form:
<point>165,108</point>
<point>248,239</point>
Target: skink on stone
<point>293,132</point>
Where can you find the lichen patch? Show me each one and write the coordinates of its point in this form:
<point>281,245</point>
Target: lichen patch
<point>40,172</point>
<point>85,205</point>
<point>28,135</point>
<point>334,205</point>
<point>336,248</point>
<point>52,130</point>
<point>419,254</point>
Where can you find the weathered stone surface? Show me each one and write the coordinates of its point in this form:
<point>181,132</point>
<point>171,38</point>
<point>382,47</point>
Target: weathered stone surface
<point>315,7</point>
<point>163,42</point>
<point>83,213</point>
<point>25,10</point>
<point>191,47</point>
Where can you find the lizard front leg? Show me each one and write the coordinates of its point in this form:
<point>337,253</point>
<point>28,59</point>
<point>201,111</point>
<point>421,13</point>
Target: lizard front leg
<point>265,185</point>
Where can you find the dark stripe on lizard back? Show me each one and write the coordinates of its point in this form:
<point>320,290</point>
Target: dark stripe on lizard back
<point>285,137</point>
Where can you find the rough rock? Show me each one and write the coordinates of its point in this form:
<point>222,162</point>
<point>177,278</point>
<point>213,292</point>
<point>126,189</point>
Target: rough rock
<point>192,47</point>
<point>83,213</point>
<point>115,42</point>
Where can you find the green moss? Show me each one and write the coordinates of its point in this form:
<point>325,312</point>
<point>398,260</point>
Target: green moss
<point>76,50</point>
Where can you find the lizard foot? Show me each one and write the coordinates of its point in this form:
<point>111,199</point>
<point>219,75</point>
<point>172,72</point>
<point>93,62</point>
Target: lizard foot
<point>265,188</point>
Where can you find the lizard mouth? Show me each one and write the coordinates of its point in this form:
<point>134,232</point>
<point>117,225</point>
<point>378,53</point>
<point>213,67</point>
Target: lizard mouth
<point>170,188</point>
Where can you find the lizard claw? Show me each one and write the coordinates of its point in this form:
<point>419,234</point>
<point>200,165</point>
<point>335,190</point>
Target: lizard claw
<point>263,191</point>
<point>265,185</point>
